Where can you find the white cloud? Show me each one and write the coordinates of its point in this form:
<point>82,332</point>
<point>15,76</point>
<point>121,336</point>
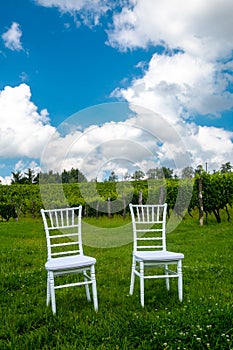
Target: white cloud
<point>88,11</point>
<point>208,145</point>
<point>176,103</point>
<point>93,150</point>
<point>200,28</point>
<point>190,77</point>
<point>192,81</point>
<point>12,37</point>
<point>23,165</point>
<point>131,144</point>
<point>5,180</point>
<point>145,140</point>
<point>181,85</point>
<point>23,130</point>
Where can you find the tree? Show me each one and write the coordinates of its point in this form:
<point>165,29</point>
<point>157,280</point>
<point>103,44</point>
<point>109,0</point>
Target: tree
<point>151,174</point>
<point>28,177</point>
<point>187,173</point>
<point>168,173</point>
<point>17,177</point>
<point>199,170</point>
<point>73,176</point>
<point>65,177</point>
<point>113,177</point>
<point>226,168</point>
<point>49,177</point>
<point>127,176</point>
<point>161,173</point>
<point>138,175</point>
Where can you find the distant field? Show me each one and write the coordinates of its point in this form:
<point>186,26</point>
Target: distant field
<point>203,321</point>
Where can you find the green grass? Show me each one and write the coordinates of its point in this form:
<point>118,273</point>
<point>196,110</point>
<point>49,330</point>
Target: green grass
<point>202,321</point>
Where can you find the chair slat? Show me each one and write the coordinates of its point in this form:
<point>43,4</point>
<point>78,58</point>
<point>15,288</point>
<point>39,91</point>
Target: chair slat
<point>72,217</point>
<point>149,239</point>
<point>65,253</point>
<point>51,219</point>
<point>56,218</point>
<point>64,235</point>
<point>63,244</point>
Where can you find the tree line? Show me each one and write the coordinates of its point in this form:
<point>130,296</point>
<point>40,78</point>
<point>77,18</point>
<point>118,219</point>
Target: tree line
<point>76,176</point>
<point>30,177</point>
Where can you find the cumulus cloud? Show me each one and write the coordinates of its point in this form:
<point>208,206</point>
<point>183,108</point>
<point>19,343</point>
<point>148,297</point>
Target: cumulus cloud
<point>95,149</point>
<point>191,76</point>
<point>181,86</point>
<point>195,69</point>
<point>179,101</point>
<point>23,130</point>
<point>12,37</point>
<point>200,28</point>
<point>125,146</point>
<point>88,11</point>
<point>5,180</point>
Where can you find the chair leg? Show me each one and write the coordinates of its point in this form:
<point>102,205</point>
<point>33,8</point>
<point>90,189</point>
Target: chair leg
<point>48,299</point>
<point>94,288</point>
<point>180,281</point>
<point>142,283</point>
<point>87,287</point>
<point>132,277</point>
<point>52,291</point>
<point>167,279</point>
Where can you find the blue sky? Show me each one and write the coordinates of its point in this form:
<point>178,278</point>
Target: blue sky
<point>67,68</point>
<point>106,63</point>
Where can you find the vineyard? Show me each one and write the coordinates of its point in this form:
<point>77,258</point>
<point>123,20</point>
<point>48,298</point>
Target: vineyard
<point>208,193</point>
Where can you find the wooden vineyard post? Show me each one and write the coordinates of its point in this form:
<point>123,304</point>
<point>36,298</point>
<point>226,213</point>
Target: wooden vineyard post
<point>124,205</point>
<point>97,210</point>
<point>162,195</point>
<point>200,201</point>
<point>109,207</point>
<point>140,198</point>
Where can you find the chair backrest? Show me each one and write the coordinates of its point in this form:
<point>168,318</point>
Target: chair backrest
<point>149,226</point>
<point>63,231</point>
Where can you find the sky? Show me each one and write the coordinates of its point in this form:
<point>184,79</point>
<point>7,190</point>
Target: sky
<point>117,86</point>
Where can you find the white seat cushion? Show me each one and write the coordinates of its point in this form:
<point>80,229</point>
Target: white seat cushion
<point>158,255</point>
<point>69,262</point>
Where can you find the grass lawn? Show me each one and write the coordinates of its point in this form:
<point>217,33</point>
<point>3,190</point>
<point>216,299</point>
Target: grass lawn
<point>204,320</point>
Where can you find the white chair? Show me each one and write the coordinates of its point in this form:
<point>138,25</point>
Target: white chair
<point>149,250</point>
<point>65,252</point>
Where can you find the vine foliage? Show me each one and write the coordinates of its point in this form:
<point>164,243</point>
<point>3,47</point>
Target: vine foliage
<point>96,198</point>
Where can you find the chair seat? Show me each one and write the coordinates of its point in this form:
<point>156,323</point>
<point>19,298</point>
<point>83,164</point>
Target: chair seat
<point>69,262</point>
<point>158,255</point>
